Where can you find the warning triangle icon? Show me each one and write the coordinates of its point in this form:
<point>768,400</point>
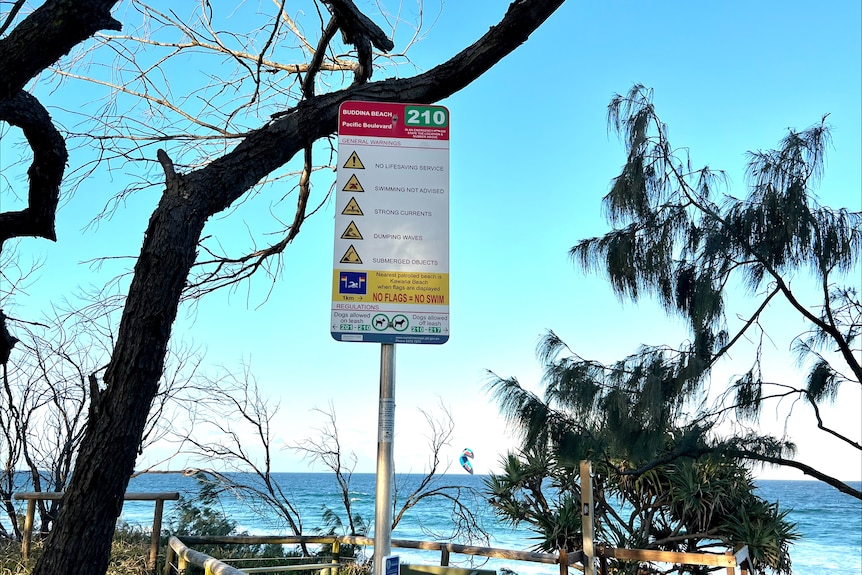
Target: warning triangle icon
<point>353,185</point>
<point>352,208</point>
<point>351,256</point>
<point>352,232</point>
<point>354,163</point>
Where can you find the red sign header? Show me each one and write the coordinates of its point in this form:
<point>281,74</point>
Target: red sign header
<point>393,120</point>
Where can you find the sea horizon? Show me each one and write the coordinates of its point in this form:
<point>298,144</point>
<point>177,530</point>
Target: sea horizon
<point>829,522</point>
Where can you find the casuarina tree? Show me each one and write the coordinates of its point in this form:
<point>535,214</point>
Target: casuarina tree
<point>705,256</point>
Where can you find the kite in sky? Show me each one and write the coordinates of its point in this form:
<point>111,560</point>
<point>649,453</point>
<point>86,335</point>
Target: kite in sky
<point>466,455</point>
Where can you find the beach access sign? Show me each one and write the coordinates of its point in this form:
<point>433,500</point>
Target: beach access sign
<point>390,279</point>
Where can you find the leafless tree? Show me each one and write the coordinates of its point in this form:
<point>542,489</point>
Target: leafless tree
<point>232,431</point>
<point>45,397</point>
<point>463,501</point>
<point>327,448</point>
<point>195,190</point>
<point>230,427</point>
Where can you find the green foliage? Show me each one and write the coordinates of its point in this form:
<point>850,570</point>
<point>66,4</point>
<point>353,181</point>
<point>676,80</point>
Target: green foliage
<point>129,553</point>
<point>536,491</point>
<point>644,419</point>
<point>11,561</point>
<point>675,239</point>
<point>201,516</point>
<point>703,505</point>
<point>333,525</point>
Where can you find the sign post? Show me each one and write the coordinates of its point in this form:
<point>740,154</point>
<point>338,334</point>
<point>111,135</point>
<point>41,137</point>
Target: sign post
<point>390,279</point>
<point>384,479</point>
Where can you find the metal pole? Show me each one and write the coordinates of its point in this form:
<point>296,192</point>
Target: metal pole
<point>385,433</point>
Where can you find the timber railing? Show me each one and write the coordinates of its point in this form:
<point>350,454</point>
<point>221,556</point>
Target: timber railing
<point>179,555</point>
<point>159,498</point>
<point>730,559</point>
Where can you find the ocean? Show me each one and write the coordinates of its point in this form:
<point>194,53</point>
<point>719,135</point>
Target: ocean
<point>830,522</point>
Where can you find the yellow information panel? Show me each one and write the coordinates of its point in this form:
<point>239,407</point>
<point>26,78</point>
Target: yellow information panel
<point>391,287</point>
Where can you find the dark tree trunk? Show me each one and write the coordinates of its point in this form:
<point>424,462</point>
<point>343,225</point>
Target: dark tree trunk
<point>81,540</point>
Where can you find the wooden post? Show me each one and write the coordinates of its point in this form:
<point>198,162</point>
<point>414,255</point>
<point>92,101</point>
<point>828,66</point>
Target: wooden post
<point>154,538</point>
<point>28,528</point>
<point>564,562</point>
<point>444,556</point>
<point>730,569</point>
<point>587,517</point>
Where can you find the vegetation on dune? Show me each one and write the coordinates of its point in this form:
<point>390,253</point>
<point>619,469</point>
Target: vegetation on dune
<point>129,554</point>
<point>677,458</point>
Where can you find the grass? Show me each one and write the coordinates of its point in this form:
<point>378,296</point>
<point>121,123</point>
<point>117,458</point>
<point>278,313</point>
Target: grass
<point>129,554</point>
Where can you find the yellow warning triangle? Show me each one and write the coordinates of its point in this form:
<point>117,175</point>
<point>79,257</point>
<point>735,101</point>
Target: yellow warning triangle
<point>353,185</point>
<point>351,233</point>
<point>354,163</point>
<point>350,256</point>
<point>352,208</point>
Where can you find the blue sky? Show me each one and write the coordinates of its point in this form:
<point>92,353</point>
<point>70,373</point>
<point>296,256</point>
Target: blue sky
<point>531,158</point>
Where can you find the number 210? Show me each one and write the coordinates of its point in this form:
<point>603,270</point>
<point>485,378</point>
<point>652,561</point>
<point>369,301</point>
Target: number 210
<point>426,116</point>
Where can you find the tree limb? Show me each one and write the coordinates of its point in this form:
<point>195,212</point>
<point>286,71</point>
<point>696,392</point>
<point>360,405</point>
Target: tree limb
<point>47,34</point>
<point>355,24</point>
<point>46,171</point>
<point>806,469</point>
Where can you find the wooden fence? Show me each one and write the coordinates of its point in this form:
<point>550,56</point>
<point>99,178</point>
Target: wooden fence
<point>584,559</point>
<point>730,559</point>
<point>159,498</point>
<point>179,554</point>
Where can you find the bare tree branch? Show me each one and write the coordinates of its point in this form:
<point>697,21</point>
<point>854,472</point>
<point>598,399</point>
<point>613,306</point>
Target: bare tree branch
<point>47,34</point>
<point>46,171</point>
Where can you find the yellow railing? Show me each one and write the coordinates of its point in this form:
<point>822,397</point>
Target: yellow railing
<point>730,559</point>
<point>179,551</point>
